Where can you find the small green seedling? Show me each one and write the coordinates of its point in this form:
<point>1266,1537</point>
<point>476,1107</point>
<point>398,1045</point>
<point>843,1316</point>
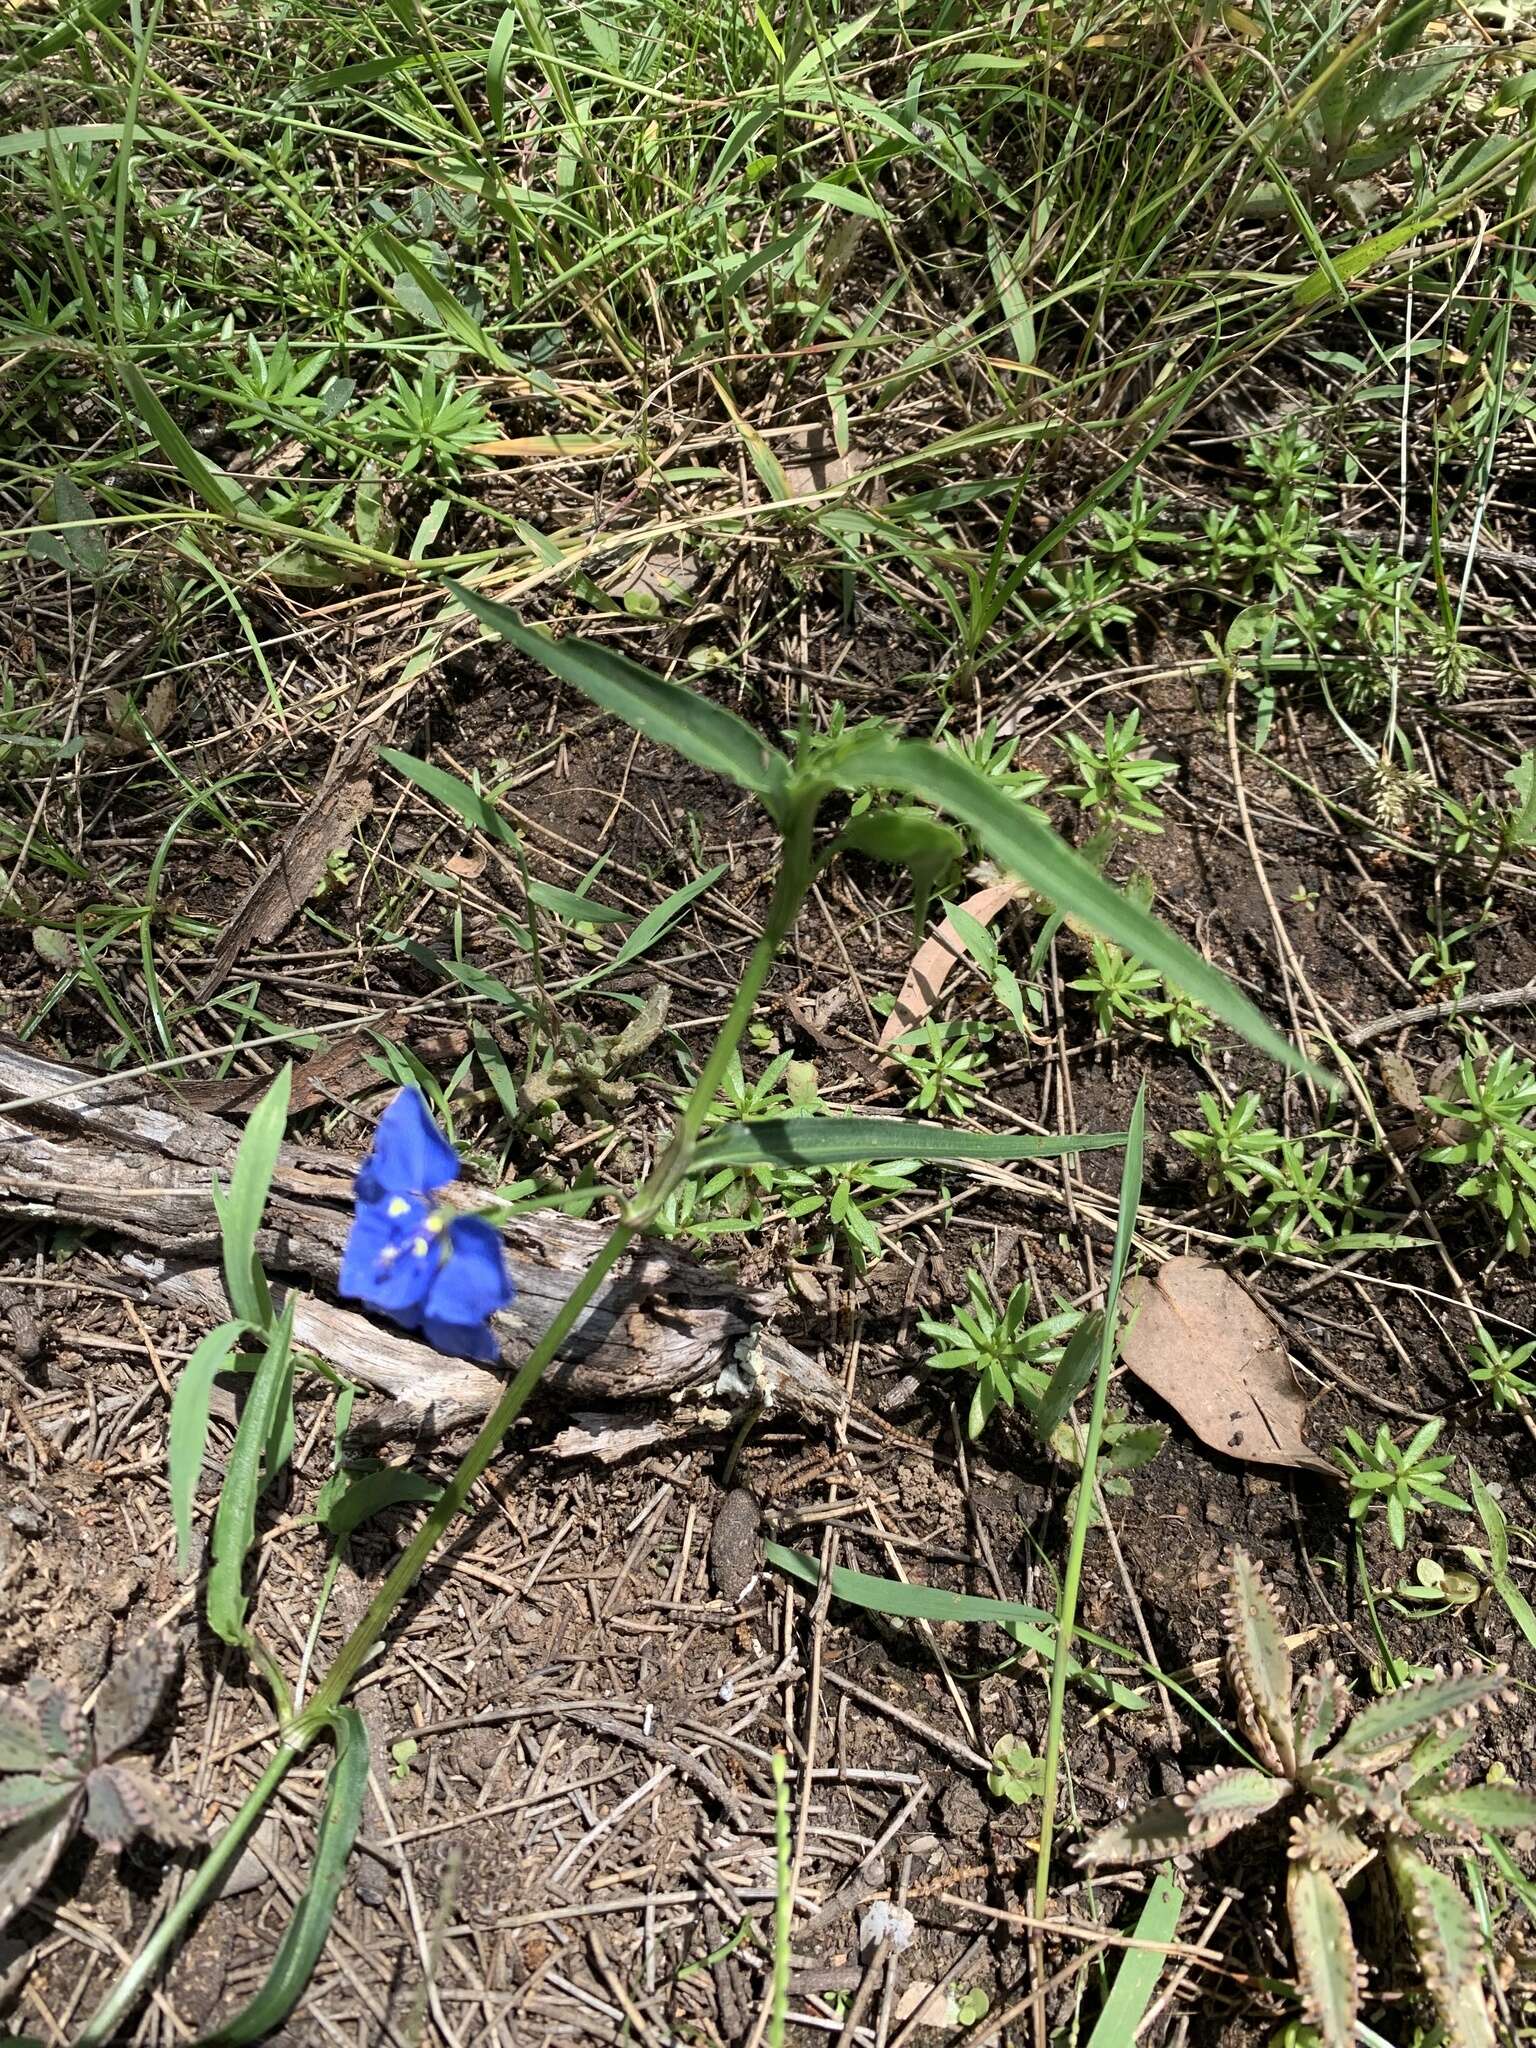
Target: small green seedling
<point>1010,1357</point>
<point>1017,1774</point>
<point>1119,782</point>
<point>1358,1787</point>
<point>1495,1148</point>
<point>1403,1477</point>
<point>403,1754</point>
<point>1502,1374</point>
<point>1235,1148</point>
<point>946,1064</point>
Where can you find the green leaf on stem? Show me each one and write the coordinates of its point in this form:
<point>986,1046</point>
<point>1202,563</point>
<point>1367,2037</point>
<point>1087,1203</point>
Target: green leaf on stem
<point>1031,1627</point>
<point>234,1527</point>
<point>828,1141</point>
<point>704,733</point>
<point>1137,1977</point>
<point>304,1937</point>
<point>1021,841</point>
<point>189,1425</point>
<point>454,794</point>
<point>372,1492</point>
<point>241,1207</point>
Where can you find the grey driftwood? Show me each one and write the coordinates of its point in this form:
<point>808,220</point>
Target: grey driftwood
<point>665,1337</point>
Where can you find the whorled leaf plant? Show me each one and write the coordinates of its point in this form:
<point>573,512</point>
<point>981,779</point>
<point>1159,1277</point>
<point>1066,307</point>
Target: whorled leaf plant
<point>1360,1785</point>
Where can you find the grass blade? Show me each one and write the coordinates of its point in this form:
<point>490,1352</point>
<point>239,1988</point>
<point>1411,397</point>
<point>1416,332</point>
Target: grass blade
<point>650,928</point>
<point>241,1209</point>
<point>304,1937</point>
<point>453,318</point>
<point>1032,1627</point>
<point>454,794</point>
<point>813,1141</point>
<point>1136,1979</point>
<point>1071,1375</point>
<point>1125,1230</point>
<point>189,1425</point>
<point>704,733</point>
<point>1027,847</point>
<point>211,485</point>
<point>234,1527</point>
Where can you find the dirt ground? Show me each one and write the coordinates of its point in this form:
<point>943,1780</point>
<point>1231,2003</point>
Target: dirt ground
<point>571,1819</point>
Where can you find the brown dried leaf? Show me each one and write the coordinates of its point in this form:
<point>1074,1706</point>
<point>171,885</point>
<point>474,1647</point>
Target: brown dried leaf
<point>935,957</point>
<point>1203,1345</point>
<point>295,871</point>
<point>811,462</point>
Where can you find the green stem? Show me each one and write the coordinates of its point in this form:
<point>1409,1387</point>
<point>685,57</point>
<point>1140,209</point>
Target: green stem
<point>794,878</point>
<point>135,1980</point>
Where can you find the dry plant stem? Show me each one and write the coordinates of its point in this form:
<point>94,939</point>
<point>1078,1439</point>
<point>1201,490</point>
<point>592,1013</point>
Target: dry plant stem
<point>300,1733</point>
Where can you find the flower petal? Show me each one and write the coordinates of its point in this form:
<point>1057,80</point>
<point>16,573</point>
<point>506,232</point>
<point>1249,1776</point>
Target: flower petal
<point>410,1155</point>
<point>467,1289</point>
<point>461,1340</point>
<point>392,1256</point>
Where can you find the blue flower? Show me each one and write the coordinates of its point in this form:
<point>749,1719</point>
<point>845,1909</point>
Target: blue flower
<point>422,1266</point>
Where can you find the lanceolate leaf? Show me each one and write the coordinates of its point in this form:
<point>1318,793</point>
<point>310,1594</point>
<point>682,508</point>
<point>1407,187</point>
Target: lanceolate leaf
<point>1259,1661</point>
<point>1072,1374</point>
<point>301,1944</point>
<point>234,1527</point>
<point>241,1209</point>
<point>1327,1969</point>
<point>823,1141</point>
<point>1159,1830</point>
<point>189,1424</point>
<point>29,1850</point>
<point>1219,1802</point>
<point>1502,1809</point>
<point>1448,1945</point>
<point>691,725</point>
<point>371,1492</point>
<point>131,1695</point>
<point>1136,1979</point>
<point>1032,1627</point>
<point>1430,1706</point>
<point>1023,843</point>
<point>455,794</point>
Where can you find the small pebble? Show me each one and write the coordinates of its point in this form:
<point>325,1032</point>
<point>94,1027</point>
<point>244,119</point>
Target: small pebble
<point>885,1922</point>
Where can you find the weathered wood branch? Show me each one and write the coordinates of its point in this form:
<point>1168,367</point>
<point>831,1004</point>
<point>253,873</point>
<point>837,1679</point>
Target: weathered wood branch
<point>126,1156</point>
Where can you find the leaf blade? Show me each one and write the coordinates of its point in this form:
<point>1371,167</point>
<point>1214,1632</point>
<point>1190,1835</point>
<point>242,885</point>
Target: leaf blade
<point>704,733</point>
<point>305,1934</point>
<point>822,1141</point>
<point>1028,847</point>
<point>189,1425</point>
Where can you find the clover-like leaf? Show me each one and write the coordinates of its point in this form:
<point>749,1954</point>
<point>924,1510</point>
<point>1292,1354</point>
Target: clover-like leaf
<point>132,1691</point>
<point>123,1801</point>
<point>1389,1728</point>
<point>1259,1664</point>
<point>30,1849</point>
<point>1161,1829</point>
<point>1220,1802</point>
<point>1449,1946</point>
<point>1327,1968</point>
